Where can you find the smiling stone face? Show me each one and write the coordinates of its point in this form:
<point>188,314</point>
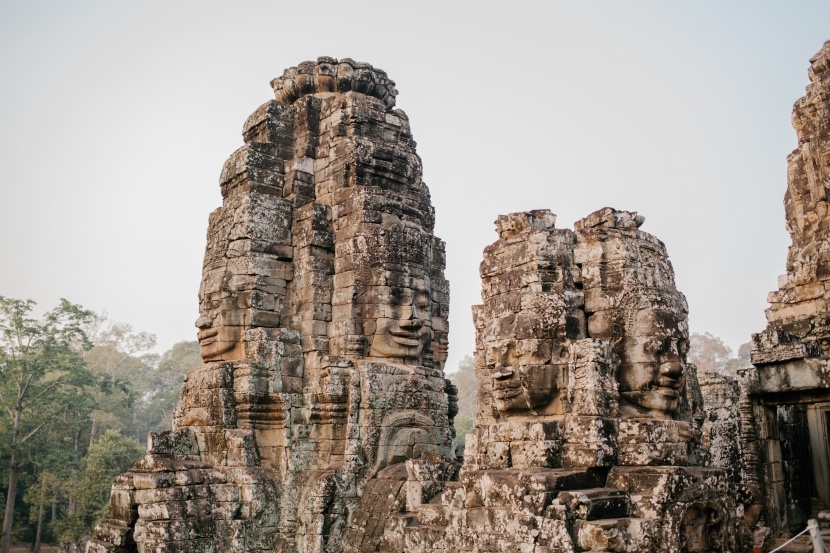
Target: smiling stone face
<point>221,321</point>
<point>524,381</point>
<point>402,321</point>
<point>652,360</point>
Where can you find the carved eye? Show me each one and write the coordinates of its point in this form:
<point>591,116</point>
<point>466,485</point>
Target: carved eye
<point>654,346</point>
<point>214,303</point>
<point>671,345</point>
<point>396,295</point>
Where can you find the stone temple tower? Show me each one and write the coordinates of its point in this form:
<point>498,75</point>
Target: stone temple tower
<point>323,330</point>
<point>786,395</point>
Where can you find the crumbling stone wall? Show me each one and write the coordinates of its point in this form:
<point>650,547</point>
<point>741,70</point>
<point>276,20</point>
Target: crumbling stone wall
<point>721,423</point>
<point>727,423</point>
<point>323,330</point>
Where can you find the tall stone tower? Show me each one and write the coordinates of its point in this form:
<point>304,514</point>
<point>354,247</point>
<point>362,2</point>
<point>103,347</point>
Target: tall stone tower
<point>786,397</point>
<point>323,330</point>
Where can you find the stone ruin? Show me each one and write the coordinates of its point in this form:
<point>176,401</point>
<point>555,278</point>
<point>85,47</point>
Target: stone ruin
<point>323,330</point>
<point>587,435</point>
<point>785,397</point>
<point>321,420</point>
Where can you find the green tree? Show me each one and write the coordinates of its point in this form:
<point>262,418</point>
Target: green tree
<point>463,426</point>
<point>111,455</point>
<point>143,388</point>
<point>52,466</point>
<point>742,360</point>
<point>465,380</point>
<point>41,372</point>
<point>708,352</point>
<point>745,351</point>
<point>120,360</point>
<point>38,497</point>
<point>158,390</point>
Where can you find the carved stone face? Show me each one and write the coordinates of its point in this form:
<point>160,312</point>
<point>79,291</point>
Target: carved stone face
<point>699,528</point>
<point>221,320</point>
<point>403,321</point>
<point>523,379</point>
<point>651,372</point>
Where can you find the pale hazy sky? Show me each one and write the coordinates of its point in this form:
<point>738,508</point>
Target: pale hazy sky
<point>116,117</point>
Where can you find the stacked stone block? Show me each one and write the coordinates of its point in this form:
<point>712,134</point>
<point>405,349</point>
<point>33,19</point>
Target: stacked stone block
<point>321,419</point>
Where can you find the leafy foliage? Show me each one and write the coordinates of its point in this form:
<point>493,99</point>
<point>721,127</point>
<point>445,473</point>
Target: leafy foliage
<point>709,353</point>
<point>42,374</point>
<point>465,380</point>
<point>158,390</point>
<point>78,393</point>
<point>111,455</point>
<point>463,426</point>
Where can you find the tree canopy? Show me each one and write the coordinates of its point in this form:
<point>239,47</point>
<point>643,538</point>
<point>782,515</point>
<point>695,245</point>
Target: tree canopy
<point>111,455</point>
<point>42,374</point>
<point>708,353</point>
<point>78,395</point>
<point>465,380</point>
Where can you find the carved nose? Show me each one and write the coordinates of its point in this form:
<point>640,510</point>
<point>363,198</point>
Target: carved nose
<point>203,322</point>
<point>412,323</point>
<point>671,370</point>
<point>412,319</point>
